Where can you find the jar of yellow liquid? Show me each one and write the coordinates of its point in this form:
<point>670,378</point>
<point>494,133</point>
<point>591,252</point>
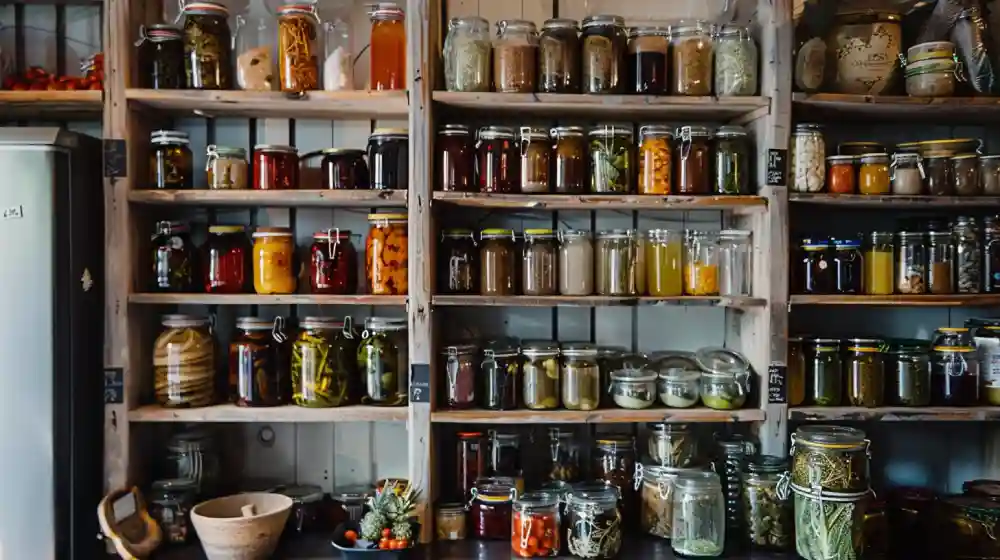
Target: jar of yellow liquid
<point>273,261</point>
<point>873,176</point>
<point>701,263</point>
<point>878,264</point>
<point>664,257</point>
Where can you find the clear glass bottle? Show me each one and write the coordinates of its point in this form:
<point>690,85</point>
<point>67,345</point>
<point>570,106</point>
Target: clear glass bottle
<point>968,256</point>
<point>701,263</point>
<point>581,378</point>
<point>467,51</point>
<point>576,263</point>
<point>735,270</point>
<point>698,527</point>
<point>736,61</point>
<point>515,56</point>
<point>911,263</point>
<point>338,61</point>
<point>387,50</point>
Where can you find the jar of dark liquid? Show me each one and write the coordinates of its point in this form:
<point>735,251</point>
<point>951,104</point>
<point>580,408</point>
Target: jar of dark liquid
<point>847,264</point>
<point>648,46</point>
<point>498,160</point>
<point>456,159</point>
<point>954,376</point>
<point>691,158</point>
<point>491,508</point>
<point>458,262</point>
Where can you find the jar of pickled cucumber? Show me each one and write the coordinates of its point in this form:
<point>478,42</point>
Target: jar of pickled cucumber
<point>384,362</point>
<point>184,362</point>
<point>581,378</point>
<point>323,365</point>
<point>824,373</point>
<point>541,375</point>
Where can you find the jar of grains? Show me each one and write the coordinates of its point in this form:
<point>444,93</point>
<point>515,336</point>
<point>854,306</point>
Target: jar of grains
<point>274,261</point>
<point>873,174</point>
<point>701,263</point>
<point>161,50</point>
<point>581,380</point>
<point>207,45</point>
<point>968,256</point>
<point>576,263</point>
<point>559,57</point>
<point>275,167</point>
<point>692,48</point>
<point>535,151</point>
<point>498,263</point>
<point>989,174</point>
<point>647,59</point>
<point>540,375</point>
<point>170,160</point>
<point>965,169</point>
<point>497,160</point>
<point>467,55</point>
<point>612,156</point>
<point>692,154</point>
<point>456,159</point>
<point>604,43</point>
<point>655,150</point>
<point>386,254</point>
<point>939,176</point>
<point>461,368</point>
<point>878,264</point>
<point>298,48</point>
<point>620,263</point>
<point>735,271</point>
<point>458,259</point>
<point>515,53</point>
<point>184,362</point>
<point>911,263</point>
<point>840,175</point>
<point>907,174</point>
<point>570,160</point>
<point>664,255</point>
<point>226,168</point>
<point>539,271</point>
<point>991,254</point>
<point>940,262</point>
<point>808,150</point>
<point>731,151</point>
<point>736,65</point>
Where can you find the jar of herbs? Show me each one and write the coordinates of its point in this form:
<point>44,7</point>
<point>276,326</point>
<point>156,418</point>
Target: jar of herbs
<point>536,149</point>
<point>539,270</point>
<point>458,262</point>
<point>701,263</point>
<point>207,46</point>
<point>564,456</point>
<point>170,160</point>
<point>655,159</point>
<point>824,373</point>
<point>497,263</point>
<point>907,174</point>
<point>939,176</point>
<point>541,375</point>
<point>909,374</point>
<point>866,372</point>
<point>911,263</point>
<point>736,61</point>
<point>497,160</point>
<point>620,263</point>
<point>576,263</point>
<point>732,160</point>
<point>466,55</point>
<point>833,458</point>
<point>878,263</point>
<point>593,524</point>
<point>692,59</point>
<point>515,54</point>
<point>384,362</point>
<point>501,373</point>
<point>173,258</point>
<point>989,174</point>
<point>456,159</point>
<point>672,445</point>
<point>954,375</point>
<point>559,56</point>
<point>647,59</point>
<point>161,51</point>
<point>226,168</point>
<point>692,171</point>
<point>965,170</point>
<point>968,256</point>
<point>768,513</point>
<point>581,380</point>
<point>605,41</point>
<point>612,157</point>
<point>570,160</point>
<point>461,369</point>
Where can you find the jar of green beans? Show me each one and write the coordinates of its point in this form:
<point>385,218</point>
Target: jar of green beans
<point>612,159</point>
<point>323,363</point>
<point>620,263</point>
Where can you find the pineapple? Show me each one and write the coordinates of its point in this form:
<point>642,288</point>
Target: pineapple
<point>402,530</point>
<point>371,526</point>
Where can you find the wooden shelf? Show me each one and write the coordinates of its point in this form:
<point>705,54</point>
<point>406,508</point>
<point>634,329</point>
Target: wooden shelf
<point>323,105</point>
<point>51,105</point>
<point>593,301</point>
<point>608,416</point>
<point>738,204</point>
<point>607,107</point>
<point>289,413</point>
<point>935,203</point>
<point>925,300</point>
<point>254,198</point>
<point>256,299</point>
<point>901,414</point>
<point>912,110</point>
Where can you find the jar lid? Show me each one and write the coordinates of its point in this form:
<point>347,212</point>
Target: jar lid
<point>169,137</point>
<point>516,25</point>
<point>734,234</point>
<point>603,19</point>
<point>539,348</point>
<point>865,344</point>
<point>336,152</point>
<point>693,131</point>
<point>906,157</point>
<point>272,232</point>
<point>455,130</point>
<point>829,435</point>
<point>386,323</point>
<point>500,348</point>
<point>496,133</point>
<point>985,510</point>
<point>605,130</point>
<point>226,151</point>
<point>301,493</point>
<point>982,487</point>
<point>163,32</point>
<point>816,127</point>
<point>658,473</point>
<point>610,351</point>
<point>721,361</point>
<point>630,360</point>
<point>873,158</point>
<point>574,234</point>
<point>254,323</point>
<point>496,233</point>
<point>909,346</point>
<point>322,323</point>
<point>560,488</point>
<point>730,131</point>
<point>617,234</point>
<point>301,8</point>
<point>955,349</point>
<point>204,8</point>
<point>468,21</point>
<point>679,374</point>
<point>390,133</point>
<point>571,131</point>
<point>990,157</point>
<point>956,330</point>
<point>495,488</point>
<point>456,233</point>
<point>170,485</point>
<point>965,156</point>
<point>540,233</point>
<point>387,11</point>
<point>505,437</point>
<point>937,154</point>
<point>226,229</point>
<point>536,500</point>
<point>910,234</point>
<point>353,495</point>
<point>767,464</point>
<point>181,321</point>
<point>633,375</point>
<point>559,23</point>
<point>387,217</point>
<point>656,130</point>
<point>533,133</point>
<point>693,27</point>
<point>648,31</point>
<point>280,148</point>
<point>847,243</point>
<point>839,159</point>
<point>579,350</point>
<point>332,235</point>
<point>606,497</point>
<point>457,349</point>
<point>824,344</point>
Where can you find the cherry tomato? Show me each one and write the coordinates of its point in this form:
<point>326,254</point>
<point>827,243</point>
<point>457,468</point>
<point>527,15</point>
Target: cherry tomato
<point>387,533</point>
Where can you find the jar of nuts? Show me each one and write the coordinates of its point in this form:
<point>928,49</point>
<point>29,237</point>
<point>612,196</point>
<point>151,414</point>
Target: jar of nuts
<point>808,158</point>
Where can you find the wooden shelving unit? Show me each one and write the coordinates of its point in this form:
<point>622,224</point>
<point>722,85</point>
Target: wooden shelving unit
<point>917,300</point>
<point>289,413</point>
<point>51,105</point>
<point>889,108</point>
<point>255,299</point>
<point>935,203</point>
<point>603,416</point>
<point>895,414</point>
<point>736,204</point>
<point>593,301</point>
<point>303,198</point>
<point>276,105</point>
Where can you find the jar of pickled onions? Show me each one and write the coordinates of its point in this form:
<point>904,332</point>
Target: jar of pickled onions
<point>386,254</point>
<point>273,261</point>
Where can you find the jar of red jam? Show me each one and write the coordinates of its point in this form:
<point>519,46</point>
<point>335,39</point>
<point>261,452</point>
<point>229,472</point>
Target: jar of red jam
<point>388,157</point>
<point>456,159</point>
<point>471,457</point>
<point>275,167</point>
<point>226,261</point>
<point>344,168</point>
<point>498,160</point>
<point>491,508</point>
<point>333,263</point>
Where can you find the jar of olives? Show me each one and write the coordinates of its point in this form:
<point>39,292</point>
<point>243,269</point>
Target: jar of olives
<point>541,375</point>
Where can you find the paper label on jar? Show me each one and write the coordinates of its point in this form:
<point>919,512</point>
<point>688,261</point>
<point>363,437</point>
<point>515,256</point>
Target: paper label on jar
<point>989,359</point>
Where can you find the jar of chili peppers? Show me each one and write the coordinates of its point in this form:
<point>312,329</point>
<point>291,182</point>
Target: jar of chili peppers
<point>655,147</point>
<point>333,263</point>
<point>471,457</point>
<point>226,261</point>
<point>170,162</point>
<point>535,527</point>
<point>207,45</point>
<point>161,50</point>
<point>386,254</point>
<point>388,157</point>
<point>259,358</point>
<point>501,372</point>
<point>491,508</point>
<point>274,261</point>
<point>344,169</point>
<point>298,49</point>
<point>461,367</point>
<point>456,159</point>
<point>497,160</point>
<point>612,159</point>
<point>458,262</point>
<point>173,258</point>
<point>275,167</point>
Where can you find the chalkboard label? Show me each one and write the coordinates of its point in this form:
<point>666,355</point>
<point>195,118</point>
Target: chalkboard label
<point>777,391</point>
<point>777,168</point>
<point>420,383</point>
<point>114,386</point>
<point>115,165</point>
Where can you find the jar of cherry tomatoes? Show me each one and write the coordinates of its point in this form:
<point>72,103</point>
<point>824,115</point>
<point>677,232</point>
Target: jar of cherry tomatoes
<point>498,160</point>
<point>273,261</point>
<point>456,159</point>
<point>535,526</point>
<point>388,157</point>
<point>275,167</point>
<point>259,359</point>
<point>491,508</point>
<point>333,263</point>
<point>225,260</point>
<point>386,254</point>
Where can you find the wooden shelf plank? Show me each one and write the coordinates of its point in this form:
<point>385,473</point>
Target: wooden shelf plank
<point>254,198</point>
<point>901,414</point>
<point>920,300</point>
<point>608,416</point>
<point>945,110</point>
<point>935,203</point>
<point>51,105</point>
<point>744,204</point>
<point>266,104</point>
<point>256,299</point>
<point>593,301</point>
<point>289,413</point>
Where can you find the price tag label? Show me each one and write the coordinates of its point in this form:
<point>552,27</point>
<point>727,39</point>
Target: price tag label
<point>420,383</point>
<point>777,389</point>
<point>114,385</point>
<point>777,168</point>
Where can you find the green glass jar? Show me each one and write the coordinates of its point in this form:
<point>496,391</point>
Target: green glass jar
<point>323,369</point>
<point>612,156</point>
<point>824,373</point>
<point>866,371</point>
<point>384,362</point>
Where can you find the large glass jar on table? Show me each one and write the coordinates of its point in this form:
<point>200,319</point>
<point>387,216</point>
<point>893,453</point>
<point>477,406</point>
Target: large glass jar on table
<point>170,160</point>
<point>824,373</point>
<point>576,263</point>
<point>866,372</point>
<point>386,254</point>
<point>173,258</point>
<point>207,45</point>
<point>467,55</point>
<point>736,61</point>
<point>275,167</point>
<point>259,358</point>
<point>226,168</point>
<point>954,374</point>
<point>731,151</point>
<point>940,262</point>
<point>911,263</point>
<point>817,275</point>
<point>535,530</point>
<point>458,262</point>
<point>170,503</point>
<point>593,523</point>
<point>564,456</point>
<point>471,455</point>
<point>849,264</point>
<point>581,378</point>
<point>498,160</point>
<point>184,362</point>
<point>501,372</point>
<point>570,160</point>
<point>539,270</point>
<point>461,366</point>
<point>647,59</point>
<point>497,263</point>
<point>692,156</point>
<point>536,149</point>
<point>161,51</point>
<point>655,159</point>
<point>692,59</point>
<point>384,362</point>
<point>968,256</point>
<point>619,263</point>
<point>808,149</point>
<point>515,56</point>
<point>298,48</point>
<point>388,158</point>
<point>664,255</point>
<point>456,159</point>
<point>559,56</point>
<point>612,159</point>
<point>698,527</point>
<point>333,263</point>
<point>909,374</point>
<point>255,50</point>
<point>768,513</point>
<point>701,263</point>
<point>324,364</point>
<point>274,261</point>
<point>878,264</point>
<point>604,42</point>
<point>491,508</point>
<point>387,52</point>
<point>541,375</point>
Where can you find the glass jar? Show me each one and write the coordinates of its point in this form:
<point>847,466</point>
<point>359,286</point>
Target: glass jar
<point>691,159</point>
<point>471,454</point>
<point>498,263</point>
<point>672,445</point>
<point>841,175</point>
<point>965,170</point>
<point>989,174</point>
<point>309,508</point>
<point>571,167</point>
<point>576,263</point>
<point>701,263</point>
<point>491,508</point>
<point>581,379</point>
<point>456,159</point>
<point>664,255</point>
<point>614,460</point>
<point>504,457</point>
<point>564,456</point>
<point>161,50</point>
<point>535,526</point>
<point>184,362</point>
<point>940,262</point>
<point>655,159</point>
<point>225,261</point>
<point>387,51</point>
<point>604,41</point>
<point>736,62</point>
<point>458,259</point>
<point>939,176</point>
<point>969,524</point>
<point>873,174</point>
<point>612,157</point>
<point>515,56</point>
<point>539,270</point>
<point>848,265</point>
<point>173,258</point>
<point>768,513</point>
<point>449,522</point>
<point>384,362</point>
<point>338,56</point>
<point>796,372</point>
<point>954,376</point>
<point>207,45</point>
<point>620,263</point>
<point>817,276</point>
<point>467,55</point>
<point>323,363</point>
<point>878,264</point>
<point>343,169</point>
<point>679,387</point>
<point>333,263</point>
<point>824,374</point>
<point>735,270</point>
<point>501,367</point>
<point>256,56</point>
<point>656,495</point>
<point>866,372</point>
<point>911,263</point>
<point>559,57</point>
<point>386,254</point>
<point>808,151</point>
<point>541,375</point>
<point>275,167</point>
<point>987,340</point>
<point>991,254</point>
<point>258,363</point>
<point>388,157</point>
<point>909,375</point>
<point>593,524</point>
<point>634,389</point>
<point>226,168</point>
<point>692,59</point>
<point>834,458</point>
<point>274,261</point>
<point>170,160</point>
<point>460,372</point>
<point>170,503</point>
<point>535,151</point>
<point>647,59</point>
<point>968,256</point>
<point>698,496</point>
<point>298,50</point>
<point>193,454</point>
<point>730,457</point>
<point>732,160</point>
<point>725,378</point>
<point>847,509</point>
<point>498,160</point>
<point>907,174</point>
<point>953,336</point>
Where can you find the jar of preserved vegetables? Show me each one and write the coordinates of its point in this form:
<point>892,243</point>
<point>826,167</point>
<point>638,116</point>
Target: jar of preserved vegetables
<point>559,57</point>
<point>824,374</point>
<point>324,369</point>
<point>593,524</point>
<point>965,170</point>
<point>170,163</point>
<point>878,264</point>
<point>298,49</point>
<point>620,263</point>
<point>539,270</point>
<point>909,374</point>
<point>848,264</point>
<point>655,159</point>
<point>535,530</point>
<point>940,262</point>
<point>701,263</point>
<point>386,254</point>
<point>458,260</point>
<point>333,263</point>
<point>736,61</point>
<point>498,263</point>
<point>968,527</point>
<point>968,256</point>
<point>460,371</point>
<point>732,160</point>
<point>498,160</point>
<point>342,168</point>
<point>258,363</point>
<point>467,55</point>
<point>698,495</point>
<point>656,495</point>
<point>576,263</point>
<point>939,176</point>
<point>170,503</point>
<point>834,458</point>
<point>501,367</point>
<point>991,254</point>
<point>504,458</point>
<point>581,379</point>
<point>387,67</point>
<point>679,387</point>
<point>564,456</point>
<point>570,160</point>
<point>692,173</point>
<point>845,510</point>
<point>841,177</point>
<point>664,255</point>
<point>274,261</point>
<point>725,378</point>
<point>541,375</point>
<point>612,156</point>
<point>388,157</point>
<point>873,174</point>
<point>515,56</point>
<point>207,45</point>
<point>735,270</point>
<point>275,167</point>
<point>692,59</point>
<point>987,340</point>
<point>226,261</point>
<point>808,150</point>
<point>647,59</point>
<point>817,275</point>
<point>184,362</point>
<point>491,507</point>
<point>911,263</point>
<point>907,174</point>
<point>161,50</point>
<point>226,168</point>
<point>866,372</point>
<point>384,362</point>
<point>456,159</point>
<point>767,510</point>
<point>535,151</point>
<point>672,445</point>
<point>173,258</point>
<point>604,44</point>
<point>954,375</point>
<point>471,454</point>
<point>796,372</point>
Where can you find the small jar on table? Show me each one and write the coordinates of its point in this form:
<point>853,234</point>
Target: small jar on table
<point>873,174</point>
<point>275,167</point>
<point>333,263</point>
<point>274,261</point>
<point>536,149</point>
<point>907,174</point>
<point>841,177</point>
<point>471,454</point>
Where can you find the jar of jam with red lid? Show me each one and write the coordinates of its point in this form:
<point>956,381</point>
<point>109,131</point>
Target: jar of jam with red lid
<point>491,508</point>
<point>333,263</point>
<point>456,159</point>
<point>388,158</point>
<point>498,160</point>
<point>342,168</point>
<point>173,258</point>
<point>471,455</point>
<point>275,167</point>
<point>226,262</point>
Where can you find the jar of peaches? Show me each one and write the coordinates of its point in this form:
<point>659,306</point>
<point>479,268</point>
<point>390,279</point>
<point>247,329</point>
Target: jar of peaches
<point>273,260</point>
<point>655,145</point>
<point>386,254</point>
<point>701,263</point>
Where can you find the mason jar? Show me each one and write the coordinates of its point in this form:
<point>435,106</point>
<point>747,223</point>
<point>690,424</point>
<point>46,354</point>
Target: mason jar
<point>620,263</point>
<point>466,55</point>
<point>539,268</point>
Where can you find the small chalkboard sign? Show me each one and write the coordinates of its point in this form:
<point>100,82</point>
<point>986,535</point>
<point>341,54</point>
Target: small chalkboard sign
<point>777,389</point>
<point>420,383</point>
<point>115,162</point>
<point>777,168</point>
<point>114,385</point>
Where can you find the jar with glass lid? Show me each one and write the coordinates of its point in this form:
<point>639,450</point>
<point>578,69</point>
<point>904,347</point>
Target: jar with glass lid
<point>824,373</point>
<point>939,176</point>
<point>725,378</point>
<point>692,59</point>
<point>634,389</point>
<point>699,522</point>
<point>259,357</point>
<point>207,45</point>
<point>593,524</point>
<point>498,160</point>
<point>954,373</point>
<point>458,259</point>
<point>161,51</point>
<point>613,462</point>
<point>515,56</point>
<point>226,168</point>
<point>620,263</point>
<point>768,513</point>
<point>808,148</point>
<point>873,174</point>
<point>461,367</point>
<point>387,50</point>
<point>647,59</point>
<point>497,263</point>
<point>564,456</point>
<point>612,157</point>
<point>333,267</point>
<point>226,261</point>
<point>731,151</point>
<point>605,41</point>
<point>848,265</point>
<point>535,530</point>
<point>965,170</point>
<point>701,263</point>
<point>338,55</point>
<point>273,261</point>
<point>170,503</point>
<point>559,56</point>
<point>324,366</point>
<point>384,362</point>
<point>968,256</point>
<point>907,174</point>
<point>386,254</point>
<point>692,154</point>
<point>501,373</point>
<point>298,48</point>
<point>536,149</point>
<point>581,379</point>
<point>878,263</point>
<point>911,263</point>
<point>735,271</point>
<point>940,262</point>
<point>672,445</point>
<point>170,160</point>
<point>467,51</point>
<point>664,254</point>
<point>866,372</point>
<point>991,254</point>
<point>909,374</point>
<point>817,272</point>
<point>833,458</point>
<point>254,49</point>
<point>576,263</point>
<point>570,160</point>
<point>679,387</point>
<point>491,508</point>
<point>184,362</point>
<point>736,61</point>
<point>541,371</point>
<point>456,159</point>
<point>173,258</point>
<point>655,159</point>
<point>539,270</point>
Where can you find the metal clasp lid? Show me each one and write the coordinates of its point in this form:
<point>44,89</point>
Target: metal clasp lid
<point>685,142</point>
<point>348,330</point>
<point>278,330</point>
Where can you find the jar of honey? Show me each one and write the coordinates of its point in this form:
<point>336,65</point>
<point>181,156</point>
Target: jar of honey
<point>273,261</point>
<point>873,176</point>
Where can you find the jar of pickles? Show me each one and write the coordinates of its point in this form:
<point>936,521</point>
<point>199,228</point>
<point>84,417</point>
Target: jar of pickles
<point>498,160</point>
<point>692,154</point>
<point>581,379</point>
<point>386,254</point>
<point>564,456</point>
<point>498,263</point>
<point>275,167</point>
<point>701,263</point>
<point>593,524</point>
<point>184,362</point>
<point>456,159</point>
<point>539,271</point>
<point>226,168</point>
<point>323,363</point>
<point>570,160</point>
<point>612,156</point>
<point>207,46</point>
<point>620,263</point>
<point>541,375</point>
<point>873,174</point>
<point>161,50</point>
<point>490,511</point>
<point>535,531</point>
<point>672,445</point>
<point>604,42</point>
<point>866,372</point>
<point>535,152</point>
<point>732,160</point>
<point>384,362</point>
<point>388,158</point>
<point>170,160</point>
<point>692,59</point>
<point>655,159</point>
<point>258,363</point>
<point>461,367</point>
<point>173,258</point>
<point>559,56</point>
<point>467,55</point>
<point>968,256</point>
<point>298,50</point>
<point>501,373</point>
<point>878,264</point>
<point>515,56</point>
<point>954,374</point>
<point>458,262</point>
<point>647,59</point>
<point>576,263</point>
<point>909,374</point>
<point>824,373</point>
<point>911,263</point>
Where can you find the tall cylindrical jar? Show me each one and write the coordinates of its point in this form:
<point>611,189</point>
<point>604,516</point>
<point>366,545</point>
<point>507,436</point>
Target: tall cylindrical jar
<point>576,263</point>
<point>338,56</point>
<point>865,371</point>
<point>539,268</point>
<point>389,158</point>
<point>536,150</point>
<point>384,362</point>
<point>515,54</point>
<point>570,160</point>
<point>258,363</point>
<point>559,57</point>
<point>647,59</point>
<point>604,42</point>
<point>581,379</point>
<point>736,64</point>
<point>664,258</point>
<point>298,48</point>
<point>170,160</point>
<point>207,45</point>
<point>497,263</point>
<point>698,496</point>
<point>184,362</point>
<point>387,47</point>
<point>808,151</point>
<point>878,264</point>
<point>701,263</point>
<point>968,256</point>
<point>732,154</point>
<point>620,263</point>
<point>612,157</point>
<point>692,59</point>
<point>692,160</point>
<point>323,363</point>
<point>911,263</point>
<point>731,454</point>
<point>501,369</point>
<point>256,52</point>
<point>386,257</point>
<point>461,370</point>
<point>456,159</point>
<point>458,260</point>
<point>467,51</point>
<point>161,55</point>
<point>655,159</point>
<point>940,263</point>
<point>735,270</point>
<point>498,160</point>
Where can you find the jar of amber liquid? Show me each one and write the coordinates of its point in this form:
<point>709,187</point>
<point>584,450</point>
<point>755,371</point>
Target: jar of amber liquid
<point>570,160</point>
<point>873,174</point>
<point>840,175</point>
<point>655,159</point>
<point>388,47</point>
<point>539,271</point>
<point>170,163</point>
<point>497,262</point>
<point>865,370</point>
<point>878,264</point>
<point>456,159</point>
<point>386,254</point>
<point>497,160</point>
<point>701,263</point>
<point>691,160</point>
<point>273,261</point>
<point>298,49</point>
<point>940,260</point>
<point>664,255</point>
<point>536,149</point>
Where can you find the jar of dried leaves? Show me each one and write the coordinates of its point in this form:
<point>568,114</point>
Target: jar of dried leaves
<point>672,445</point>
<point>834,458</point>
<point>298,49</point>
<point>829,524</point>
<point>766,505</point>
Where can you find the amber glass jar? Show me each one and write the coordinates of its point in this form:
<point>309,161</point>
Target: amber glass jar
<point>458,262</point>
<point>456,159</point>
<point>692,59</point>
<point>570,160</point>
<point>226,261</point>
<point>298,48</point>
<point>497,160</point>
<point>498,263</point>
<point>386,254</point>
<point>655,159</point>
<point>939,176</point>
<point>491,508</point>
<point>274,261</point>
<point>692,156</point>
<point>559,57</point>
<point>387,49</point>
<point>207,46</point>
<point>259,358</point>
<point>170,163</point>
<point>536,150</point>
<point>275,167</point>
<point>388,157</point>
<point>161,56</point>
<point>605,42</point>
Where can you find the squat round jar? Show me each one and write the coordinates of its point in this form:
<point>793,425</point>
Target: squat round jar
<point>907,174</point>
<point>343,169</point>
<point>226,168</point>
<point>873,174</point>
<point>570,165</point>
<point>498,263</point>
<point>965,169</point>
<point>497,160</point>
<point>692,155</point>
<point>456,159</point>
<point>633,389</point>
<point>612,153</point>
<point>539,269</point>
<point>604,42</point>
<point>655,159</point>
<point>576,263</point>
<point>841,177</point>
<point>536,149</point>
<point>559,57</point>
<point>170,160</point>
<point>275,167</point>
